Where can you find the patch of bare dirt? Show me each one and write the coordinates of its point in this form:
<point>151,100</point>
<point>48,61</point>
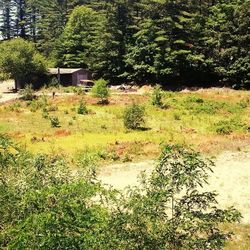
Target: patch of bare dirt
<point>231,179</point>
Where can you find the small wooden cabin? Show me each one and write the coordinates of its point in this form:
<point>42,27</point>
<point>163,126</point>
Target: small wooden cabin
<point>70,77</point>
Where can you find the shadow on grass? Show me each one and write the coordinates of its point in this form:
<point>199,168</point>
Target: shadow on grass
<point>143,129</point>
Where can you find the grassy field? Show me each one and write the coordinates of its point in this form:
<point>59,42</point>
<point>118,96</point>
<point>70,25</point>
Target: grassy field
<point>210,121</point>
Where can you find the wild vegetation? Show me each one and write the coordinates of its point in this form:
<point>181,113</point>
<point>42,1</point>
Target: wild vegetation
<point>51,147</point>
<point>154,41</point>
<point>44,205</point>
<point>210,120</point>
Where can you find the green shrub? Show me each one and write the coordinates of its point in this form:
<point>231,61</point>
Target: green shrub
<point>54,83</point>
<point>35,105</point>
<point>46,205</point>
<point>45,114</point>
<point>134,116</point>
<point>101,91</point>
<point>227,127</point>
<point>27,93</point>
<point>168,210</point>
<point>156,98</point>
<point>55,123</point>
<point>79,90</point>
<point>15,107</point>
<point>82,109</point>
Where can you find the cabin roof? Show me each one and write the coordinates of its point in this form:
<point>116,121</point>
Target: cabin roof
<point>54,71</point>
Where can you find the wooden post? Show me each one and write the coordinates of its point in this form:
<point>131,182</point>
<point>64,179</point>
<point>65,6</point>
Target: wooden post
<point>58,75</point>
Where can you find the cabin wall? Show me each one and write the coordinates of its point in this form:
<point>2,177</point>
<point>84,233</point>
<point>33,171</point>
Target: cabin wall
<point>74,78</point>
<point>66,79</point>
<point>81,75</point>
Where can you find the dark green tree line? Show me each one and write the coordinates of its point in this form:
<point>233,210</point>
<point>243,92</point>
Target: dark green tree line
<point>152,41</point>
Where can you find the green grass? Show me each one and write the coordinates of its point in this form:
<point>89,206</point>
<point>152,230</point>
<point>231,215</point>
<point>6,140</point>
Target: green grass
<point>211,121</point>
<point>204,120</point>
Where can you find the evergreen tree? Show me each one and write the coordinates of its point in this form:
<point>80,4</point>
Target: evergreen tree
<point>82,39</point>
<point>144,41</point>
<point>6,19</point>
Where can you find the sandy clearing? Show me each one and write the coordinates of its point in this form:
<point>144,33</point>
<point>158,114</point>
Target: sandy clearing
<point>5,91</point>
<point>231,179</point>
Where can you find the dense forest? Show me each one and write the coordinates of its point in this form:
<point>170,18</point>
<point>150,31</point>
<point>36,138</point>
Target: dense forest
<point>146,41</point>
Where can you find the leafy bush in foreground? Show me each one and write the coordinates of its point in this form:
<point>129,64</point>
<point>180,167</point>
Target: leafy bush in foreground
<point>44,205</point>
<point>168,212</point>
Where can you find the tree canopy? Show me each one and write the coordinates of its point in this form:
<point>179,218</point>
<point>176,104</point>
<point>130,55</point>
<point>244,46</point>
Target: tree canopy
<point>155,41</point>
<point>20,60</point>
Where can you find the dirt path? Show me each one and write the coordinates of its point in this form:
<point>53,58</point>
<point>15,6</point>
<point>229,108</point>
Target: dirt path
<point>5,91</point>
<point>231,179</point>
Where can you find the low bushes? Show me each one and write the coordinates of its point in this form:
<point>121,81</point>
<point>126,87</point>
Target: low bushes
<point>82,109</point>
<point>55,123</point>
<point>134,116</point>
<point>227,127</point>
<point>46,205</point>
<point>27,93</point>
<point>101,91</point>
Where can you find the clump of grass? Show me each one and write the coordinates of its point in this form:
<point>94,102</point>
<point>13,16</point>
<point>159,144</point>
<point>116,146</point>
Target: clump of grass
<point>45,114</point>
<point>127,158</point>
<point>89,157</point>
<point>34,105</point>
<point>243,104</point>
<point>52,108</point>
<point>194,99</point>
<point>226,127</point>
<point>177,116</point>
<point>55,123</point>
<point>198,105</point>
<point>82,109</point>
<point>113,155</point>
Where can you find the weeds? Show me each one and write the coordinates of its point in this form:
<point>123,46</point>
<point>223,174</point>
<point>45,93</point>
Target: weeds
<point>15,107</point>
<point>82,109</point>
<point>55,123</point>
<point>156,98</point>
<point>227,127</point>
<point>27,93</point>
